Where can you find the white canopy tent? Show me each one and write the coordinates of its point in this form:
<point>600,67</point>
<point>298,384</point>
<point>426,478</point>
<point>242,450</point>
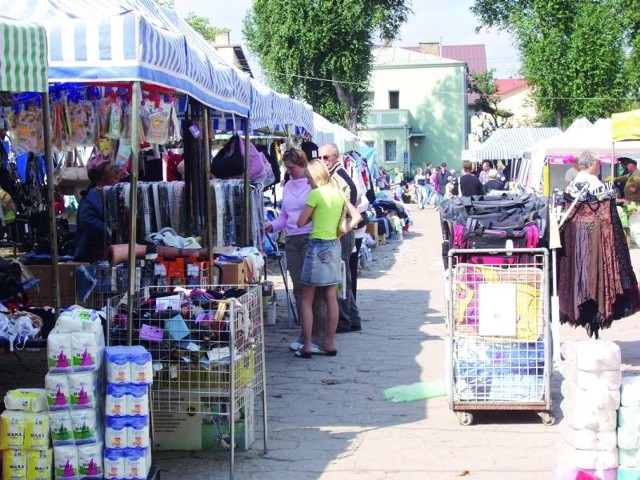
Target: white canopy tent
<point>559,152</point>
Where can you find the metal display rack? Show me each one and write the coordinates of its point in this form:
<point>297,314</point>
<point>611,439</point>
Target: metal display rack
<point>498,350</point>
<point>207,345</point>
<point>112,281</point>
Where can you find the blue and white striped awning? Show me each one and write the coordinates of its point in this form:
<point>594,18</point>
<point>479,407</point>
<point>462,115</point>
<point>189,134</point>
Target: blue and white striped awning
<point>509,143</point>
<point>101,40</point>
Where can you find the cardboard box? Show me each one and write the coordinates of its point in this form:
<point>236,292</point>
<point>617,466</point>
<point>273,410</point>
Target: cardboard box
<point>372,229</point>
<point>201,431</point>
<point>233,273</point>
<point>41,294</point>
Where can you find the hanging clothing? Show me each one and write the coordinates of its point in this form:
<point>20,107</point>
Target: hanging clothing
<point>594,268</point>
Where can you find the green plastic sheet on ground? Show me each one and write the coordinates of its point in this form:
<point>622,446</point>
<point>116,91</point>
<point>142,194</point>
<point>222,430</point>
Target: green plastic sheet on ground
<point>415,391</point>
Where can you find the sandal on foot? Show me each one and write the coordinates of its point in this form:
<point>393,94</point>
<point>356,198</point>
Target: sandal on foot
<point>301,354</point>
<point>328,353</point>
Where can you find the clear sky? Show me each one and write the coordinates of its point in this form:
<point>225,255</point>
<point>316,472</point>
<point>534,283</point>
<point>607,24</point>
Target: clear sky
<point>447,21</point>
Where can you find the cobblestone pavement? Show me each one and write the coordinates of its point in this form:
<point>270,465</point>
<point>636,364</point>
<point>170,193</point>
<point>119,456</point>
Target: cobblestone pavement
<point>327,418</point>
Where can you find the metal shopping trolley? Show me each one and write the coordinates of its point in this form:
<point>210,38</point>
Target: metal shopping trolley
<point>498,349</point>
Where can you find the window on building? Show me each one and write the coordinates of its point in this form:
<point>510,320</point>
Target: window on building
<point>390,151</point>
<point>370,143</point>
<point>394,99</point>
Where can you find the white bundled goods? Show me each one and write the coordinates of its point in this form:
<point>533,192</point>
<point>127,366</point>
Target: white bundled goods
<point>65,462</point>
<point>118,365</point>
<point>79,320</point>
<point>587,459</point>
<point>83,388</point>
<point>61,428</point>
<point>140,364</point>
<point>628,457</point>
<point>137,400</point>
<point>592,355</point>
<point>630,391</point>
<point>90,463</point>
<point>588,439</point>
<point>86,348</point>
<point>596,396</point>
<point>592,364</point>
<point>86,428</point>
<point>59,352</point>
<point>581,418</point>
<point>56,386</point>
<point>26,399</point>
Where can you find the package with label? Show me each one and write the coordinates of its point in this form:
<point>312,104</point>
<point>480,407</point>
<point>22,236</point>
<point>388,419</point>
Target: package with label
<point>86,426</point>
<point>79,320</point>
<point>56,386</point>
<point>26,399</point>
<point>83,388</point>
<point>59,353</point>
<point>61,428</point>
<point>86,348</point>
<point>65,462</point>
<point>90,461</point>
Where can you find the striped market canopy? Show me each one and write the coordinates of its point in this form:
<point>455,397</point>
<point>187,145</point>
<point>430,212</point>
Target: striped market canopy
<point>509,143</point>
<point>111,41</point>
<point>23,56</point>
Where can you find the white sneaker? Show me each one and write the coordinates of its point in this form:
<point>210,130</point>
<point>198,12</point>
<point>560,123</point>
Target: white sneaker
<point>295,346</point>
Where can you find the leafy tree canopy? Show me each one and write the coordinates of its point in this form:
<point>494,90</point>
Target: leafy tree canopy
<point>320,50</point>
<point>483,84</point>
<point>203,27</point>
<point>579,56</point>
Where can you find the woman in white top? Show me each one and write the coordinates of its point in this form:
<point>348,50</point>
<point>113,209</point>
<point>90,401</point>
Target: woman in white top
<point>589,165</point>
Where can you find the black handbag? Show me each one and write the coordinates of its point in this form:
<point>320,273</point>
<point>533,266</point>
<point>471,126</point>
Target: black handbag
<point>229,161</point>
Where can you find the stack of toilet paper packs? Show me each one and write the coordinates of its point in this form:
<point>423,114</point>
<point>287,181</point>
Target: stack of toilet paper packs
<point>75,348</point>
<point>127,455</point>
<point>24,436</point>
<point>629,429</point>
<point>591,397</point>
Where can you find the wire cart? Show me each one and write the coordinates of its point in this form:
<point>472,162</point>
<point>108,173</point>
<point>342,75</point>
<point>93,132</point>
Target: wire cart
<point>207,346</point>
<point>499,343</point>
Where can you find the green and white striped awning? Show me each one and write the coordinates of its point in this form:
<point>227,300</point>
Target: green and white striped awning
<point>23,56</point>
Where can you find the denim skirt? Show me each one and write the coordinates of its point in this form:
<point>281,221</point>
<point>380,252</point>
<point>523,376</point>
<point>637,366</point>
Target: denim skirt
<point>321,263</point>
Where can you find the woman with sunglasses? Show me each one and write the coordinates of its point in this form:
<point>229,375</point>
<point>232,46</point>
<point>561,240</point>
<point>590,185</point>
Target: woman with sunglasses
<point>294,195</point>
<point>321,268</point>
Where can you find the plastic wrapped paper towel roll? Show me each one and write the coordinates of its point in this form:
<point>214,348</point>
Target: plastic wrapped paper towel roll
<point>596,396</point>
<point>580,418</point>
<point>588,439</point>
<point>592,355</point>
<point>630,391</point>
<point>587,459</point>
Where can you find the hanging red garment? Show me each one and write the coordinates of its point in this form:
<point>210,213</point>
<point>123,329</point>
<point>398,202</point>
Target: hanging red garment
<point>170,162</point>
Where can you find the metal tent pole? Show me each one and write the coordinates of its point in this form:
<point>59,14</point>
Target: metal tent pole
<point>133,202</point>
<point>53,227</point>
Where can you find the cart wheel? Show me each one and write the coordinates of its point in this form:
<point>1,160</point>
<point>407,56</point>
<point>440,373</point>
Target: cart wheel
<point>465,418</point>
<point>547,418</point>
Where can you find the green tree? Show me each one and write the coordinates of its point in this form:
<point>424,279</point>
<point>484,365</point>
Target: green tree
<point>484,85</point>
<point>577,55</point>
<point>203,26</point>
<point>320,50</point>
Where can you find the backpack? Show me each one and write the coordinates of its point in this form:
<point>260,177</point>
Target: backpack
<point>11,282</point>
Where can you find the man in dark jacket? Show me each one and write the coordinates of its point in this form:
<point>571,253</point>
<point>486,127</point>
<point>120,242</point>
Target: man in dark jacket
<point>469,183</point>
<point>349,320</point>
